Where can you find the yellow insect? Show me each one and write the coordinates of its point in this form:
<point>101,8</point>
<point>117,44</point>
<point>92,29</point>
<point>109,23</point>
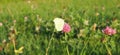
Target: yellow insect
<point>20,50</point>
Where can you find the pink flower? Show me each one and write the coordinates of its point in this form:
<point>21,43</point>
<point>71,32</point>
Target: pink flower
<point>114,31</point>
<point>66,28</point>
<point>109,31</point>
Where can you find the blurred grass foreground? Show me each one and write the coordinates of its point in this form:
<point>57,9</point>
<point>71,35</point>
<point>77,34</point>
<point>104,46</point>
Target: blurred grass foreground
<point>28,27</point>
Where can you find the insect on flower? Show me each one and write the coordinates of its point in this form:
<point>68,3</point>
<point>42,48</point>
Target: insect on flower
<point>60,25</point>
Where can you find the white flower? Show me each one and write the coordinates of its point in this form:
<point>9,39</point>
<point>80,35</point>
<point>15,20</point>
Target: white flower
<point>97,14</point>
<point>59,24</point>
<point>86,22</point>
<point>37,28</point>
<point>1,24</point>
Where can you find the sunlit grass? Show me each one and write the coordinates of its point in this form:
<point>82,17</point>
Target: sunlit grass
<point>27,27</point>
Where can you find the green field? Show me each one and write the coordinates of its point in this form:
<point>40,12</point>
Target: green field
<point>27,27</point>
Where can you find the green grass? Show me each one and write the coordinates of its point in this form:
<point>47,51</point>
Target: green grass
<point>40,14</point>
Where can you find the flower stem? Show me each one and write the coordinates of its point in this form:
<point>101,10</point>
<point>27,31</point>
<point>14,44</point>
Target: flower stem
<point>48,46</point>
<point>67,49</point>
<point>108,50</point>
<point>14,46</point>
<point>47,49</point>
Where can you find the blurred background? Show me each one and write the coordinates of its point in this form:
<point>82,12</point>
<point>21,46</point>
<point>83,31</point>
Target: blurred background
<point>26,27</point>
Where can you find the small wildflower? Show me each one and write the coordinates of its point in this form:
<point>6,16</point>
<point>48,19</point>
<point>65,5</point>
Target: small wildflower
<point>86,22</point>
<point>11,28</point>
<point>37,28</point>
<point>29,1</point>
<point>97,14</point>
<point>109,31</point>
<point>103,8</point>
<point>66,28</point>
<point>1,24</point>
<point>25,18</point>
<point>33,6</point>
<point>14,21</point>
<point>4,41</point>
<point>38,18</point>
<point>81,33</point>
<point>94,27</point>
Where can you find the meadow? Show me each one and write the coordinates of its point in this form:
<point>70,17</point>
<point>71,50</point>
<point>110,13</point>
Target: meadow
<point>27,27</point>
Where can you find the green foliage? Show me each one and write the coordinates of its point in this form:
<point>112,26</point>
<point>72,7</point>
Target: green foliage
<point>30,24</point>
